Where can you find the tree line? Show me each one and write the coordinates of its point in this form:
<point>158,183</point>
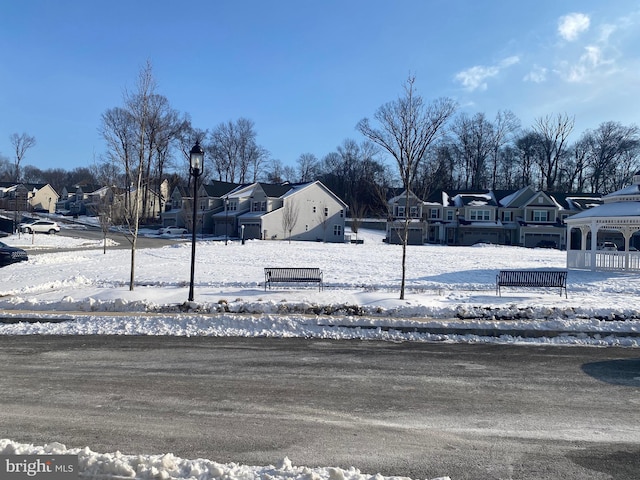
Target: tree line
<point>148,141</point>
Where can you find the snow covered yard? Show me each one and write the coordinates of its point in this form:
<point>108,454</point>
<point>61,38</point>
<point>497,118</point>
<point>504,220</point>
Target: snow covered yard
<point>442,282</point>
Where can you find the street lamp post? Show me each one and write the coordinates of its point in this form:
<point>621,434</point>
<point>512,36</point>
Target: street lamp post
<point>196,167</point>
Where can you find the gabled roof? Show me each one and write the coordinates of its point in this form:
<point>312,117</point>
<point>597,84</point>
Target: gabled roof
<point>302,186</point>
<point>402,195</point>
<point>511,199</point>
<point>218,189</point>
<point>276,190</point>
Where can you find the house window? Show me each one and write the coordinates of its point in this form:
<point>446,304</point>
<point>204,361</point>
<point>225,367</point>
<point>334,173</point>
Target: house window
<point>450,215</point>
<point>337,230</point>
<point>434,213</point>
<point>341,213</point>
<point>480,215</point>
<point>413,211</point>
<point>259,206</point>
<point>314,209</point>
<point>232,206</point>
<point>540,215</point>
<point>507,216</point>
<point>400,211</point>
<point>326,211</point>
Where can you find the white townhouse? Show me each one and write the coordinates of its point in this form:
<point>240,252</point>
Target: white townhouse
<point>307,212</point>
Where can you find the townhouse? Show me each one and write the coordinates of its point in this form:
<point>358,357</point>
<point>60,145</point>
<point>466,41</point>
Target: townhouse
<point>306,211</point>
<point>525,217</point>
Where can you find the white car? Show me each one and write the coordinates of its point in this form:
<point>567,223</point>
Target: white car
<point>40,226</point>
<point>172,231</point>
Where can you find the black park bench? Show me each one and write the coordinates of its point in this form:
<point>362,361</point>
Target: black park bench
<point>292,275</point>
<point>532,278</point>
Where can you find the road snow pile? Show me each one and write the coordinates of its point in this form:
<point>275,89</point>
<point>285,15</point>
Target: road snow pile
<point>107,466</point>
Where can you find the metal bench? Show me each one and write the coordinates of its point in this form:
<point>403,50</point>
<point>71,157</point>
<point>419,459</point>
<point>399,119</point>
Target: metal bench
<point>532,278</point>
<point>292,275</point>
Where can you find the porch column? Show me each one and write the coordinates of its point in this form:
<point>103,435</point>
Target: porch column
<point>594,243</point>
<point>627,233</point>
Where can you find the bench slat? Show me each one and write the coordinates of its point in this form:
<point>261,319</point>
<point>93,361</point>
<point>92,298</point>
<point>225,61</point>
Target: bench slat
<point>532,278</point>
<point>292,275</point>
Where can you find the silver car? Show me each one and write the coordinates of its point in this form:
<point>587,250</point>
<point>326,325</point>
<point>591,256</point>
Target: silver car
<point>40,226</point>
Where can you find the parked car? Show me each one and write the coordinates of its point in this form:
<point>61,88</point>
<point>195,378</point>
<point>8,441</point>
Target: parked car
<point>609,246</point>
<point>40,226</point>
<point>9,255</point>
<point>172,231</point>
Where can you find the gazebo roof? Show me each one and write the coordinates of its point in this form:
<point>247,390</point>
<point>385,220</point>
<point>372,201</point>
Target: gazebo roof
<point>608,210</point>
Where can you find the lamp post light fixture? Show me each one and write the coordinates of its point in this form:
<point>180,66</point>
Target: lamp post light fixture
<point>196,167</point>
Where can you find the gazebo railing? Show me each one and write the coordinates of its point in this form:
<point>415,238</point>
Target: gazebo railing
<point>605,261</point>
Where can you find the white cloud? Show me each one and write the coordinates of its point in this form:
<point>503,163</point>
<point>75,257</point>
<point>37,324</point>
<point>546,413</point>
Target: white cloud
<point>572,25</point>
<point>474,78</point>
<point>591,62</point>
<point>537,74</point>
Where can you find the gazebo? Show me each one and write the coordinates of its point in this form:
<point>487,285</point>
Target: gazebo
<point>619,215</point>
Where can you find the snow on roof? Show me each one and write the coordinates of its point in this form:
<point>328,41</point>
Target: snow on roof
<point>630,190</point>
<point>617,209</point>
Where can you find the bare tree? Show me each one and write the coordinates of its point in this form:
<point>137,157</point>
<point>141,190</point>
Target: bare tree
<point>290,213</point>
<point>322,216</point>
<point>307,167</point>
<point>505,126</point>
<point>473,145</point>
<point>125,131</point>
<point>609,147</point>
<point>357,216</point>
<point>235,154</point>
<point>105,211</point>
<point>407,127</point>
<point>21,143</point>
<point>554,134</point>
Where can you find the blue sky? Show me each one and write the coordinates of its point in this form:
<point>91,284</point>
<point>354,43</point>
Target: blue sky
<point>307,71</point>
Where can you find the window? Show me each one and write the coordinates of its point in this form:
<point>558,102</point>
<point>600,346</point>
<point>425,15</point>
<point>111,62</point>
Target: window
<point>337,230</point>
<point>413,211</point>
<point>507,216</point>
<point>259,207</point>
<point>326,211</point>
<point>480,215</point>
<point>540,215</point>
<point>450,215</point>
<point>314,209</point>
<point>400,211</point>
<point>341,213</point>
<point>434,213</point>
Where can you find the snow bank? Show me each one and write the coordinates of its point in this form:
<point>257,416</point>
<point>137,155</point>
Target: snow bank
<point>167,466</point>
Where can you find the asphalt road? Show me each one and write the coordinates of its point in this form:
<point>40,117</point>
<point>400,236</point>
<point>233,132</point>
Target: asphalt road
<point>410,409</point>
<point>94,233</point>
